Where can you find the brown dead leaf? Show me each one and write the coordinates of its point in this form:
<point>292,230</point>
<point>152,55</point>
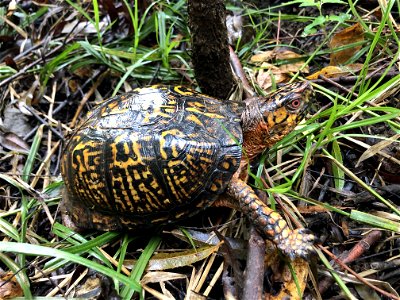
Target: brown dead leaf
<point>73,85</point>
<point>16,122</point>
<point>93,288</point>
<point>154,277</point>
<point>83,72</point>
<point>289,290</point>
<point>165,261</point>
<point>269,70</point>
<point>262,57</point>
<point>336,71</point>
<point>278,53</point>
<point>13,142</point>
<point>269,74</point>
<point>345,37</point>
<point>283,275</point>
<point>9,287</point>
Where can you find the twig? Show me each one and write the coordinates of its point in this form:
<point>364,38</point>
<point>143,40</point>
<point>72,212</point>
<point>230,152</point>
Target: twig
<point>238,69</point>
<point>345,267</point>
<point>358,250</point>
<point>254,274</point>
<point>43,121</point>
<point>86,97</point>
<point>352,79</point>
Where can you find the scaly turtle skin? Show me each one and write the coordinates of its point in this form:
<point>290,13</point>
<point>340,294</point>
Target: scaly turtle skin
<point>159,154</point>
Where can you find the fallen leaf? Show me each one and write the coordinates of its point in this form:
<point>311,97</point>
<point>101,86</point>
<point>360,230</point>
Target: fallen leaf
<point>154,277</point>
<point>336,71</point>
<point>281,273</point>
<point>259,58</point>
<point>13,142</point>
<point>9,287</point>
<point>276,66</point>
<point>345,37</point>
<point>269,74</point>
<point>165,261</point>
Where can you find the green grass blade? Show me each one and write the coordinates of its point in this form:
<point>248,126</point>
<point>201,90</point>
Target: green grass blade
<point>29,249</point>
<point>26,171</point>
<point>375,221</point>
<point>141,265</point>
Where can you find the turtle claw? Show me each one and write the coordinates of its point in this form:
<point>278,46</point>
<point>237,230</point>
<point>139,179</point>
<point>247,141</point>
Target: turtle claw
<point>299,243</point>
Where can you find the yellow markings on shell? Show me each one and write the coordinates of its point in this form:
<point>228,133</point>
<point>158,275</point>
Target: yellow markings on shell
<point>214,116</point>
<point>183,179</point>
<point>162,151</point>
<point>197,103</point>
<point>171,101</point>
<point>82,146</point>
<point>173,163</point>
<point>117,111</point>
<point>154,114</point>
<point>178,90</point>
<point>136,175</point>
<point>172,187</point>
<point>146,174</point>
<point>170,111</point>
<point>115,107</point>
<point>194,119</point>
<point>210,115</point>
<point>121,197</point>
<point>80,167</point>
<point>163,114</point>
<point>189,157</point>
<point>152,200</point>
<point>206,159</point>
<point>131,161</point>
<point>178,181</point>
<point>173,132</point>
<point>194,110</point>
<point>154,184</point>
<point>83,160</point>
<point>153,86</point>
<point>175,152</point>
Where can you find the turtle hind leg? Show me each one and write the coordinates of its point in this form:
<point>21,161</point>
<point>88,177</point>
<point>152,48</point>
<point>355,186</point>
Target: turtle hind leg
<point>78,216</point>
<point>293,243</point>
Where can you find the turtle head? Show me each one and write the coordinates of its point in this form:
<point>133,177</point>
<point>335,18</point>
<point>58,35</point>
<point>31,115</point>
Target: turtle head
<point>287,106</point>
<point>266,121</point>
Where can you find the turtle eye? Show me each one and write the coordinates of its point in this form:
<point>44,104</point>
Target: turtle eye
<point>294,104</point>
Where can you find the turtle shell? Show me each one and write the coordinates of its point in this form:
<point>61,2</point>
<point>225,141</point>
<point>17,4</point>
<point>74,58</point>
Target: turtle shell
<point>151,156</point>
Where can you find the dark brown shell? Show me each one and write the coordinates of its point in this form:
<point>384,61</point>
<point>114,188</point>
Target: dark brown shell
<point>151,156</point>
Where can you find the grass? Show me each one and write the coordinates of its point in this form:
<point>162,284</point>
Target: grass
<point>152,44</point>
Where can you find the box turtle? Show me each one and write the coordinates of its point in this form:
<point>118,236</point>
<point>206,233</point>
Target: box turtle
<point>162,153</point>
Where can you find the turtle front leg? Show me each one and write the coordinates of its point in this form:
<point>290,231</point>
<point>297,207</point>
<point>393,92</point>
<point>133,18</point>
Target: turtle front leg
<point>293,243</point>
